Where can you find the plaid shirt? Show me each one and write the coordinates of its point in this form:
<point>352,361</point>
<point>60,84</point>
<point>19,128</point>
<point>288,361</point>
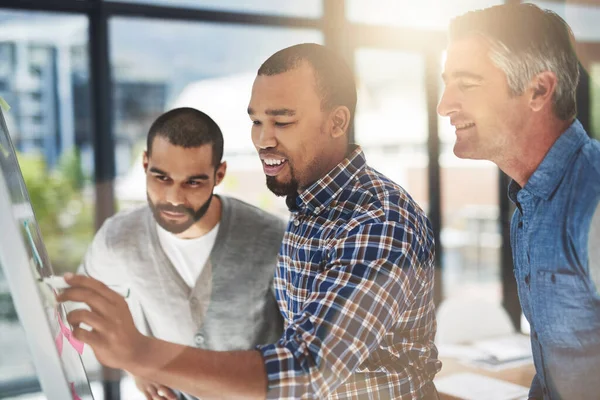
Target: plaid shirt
<point>354,283</point>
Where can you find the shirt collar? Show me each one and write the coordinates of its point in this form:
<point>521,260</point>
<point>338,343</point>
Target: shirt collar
<point>513,189</point>
<point>320,194</point>
<point>553,167</point>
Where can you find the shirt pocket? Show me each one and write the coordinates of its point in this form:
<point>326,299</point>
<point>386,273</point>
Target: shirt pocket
<point>567,317</point>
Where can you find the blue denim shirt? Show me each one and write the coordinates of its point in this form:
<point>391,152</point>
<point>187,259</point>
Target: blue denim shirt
<point>549,237</point>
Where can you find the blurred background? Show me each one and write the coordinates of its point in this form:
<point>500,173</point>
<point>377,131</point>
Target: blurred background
<point>85,79</point>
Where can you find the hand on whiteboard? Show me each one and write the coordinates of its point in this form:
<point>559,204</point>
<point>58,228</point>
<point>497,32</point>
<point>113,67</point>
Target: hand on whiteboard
<point>154,391</point>
<point>114,338</point>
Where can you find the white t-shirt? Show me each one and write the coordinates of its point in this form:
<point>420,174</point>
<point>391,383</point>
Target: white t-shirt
<point>188,256</point>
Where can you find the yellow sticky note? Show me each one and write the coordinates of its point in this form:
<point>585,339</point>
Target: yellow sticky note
<point>4,104</point>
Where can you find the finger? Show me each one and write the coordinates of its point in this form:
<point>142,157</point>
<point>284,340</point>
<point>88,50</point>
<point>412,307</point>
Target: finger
<point>92,284</point>
<point>166,392</point>
<point>142,389</point>
<point>94,300</point>
<point>152,391</point>
<point>95,321</point>
<point>91,338</point>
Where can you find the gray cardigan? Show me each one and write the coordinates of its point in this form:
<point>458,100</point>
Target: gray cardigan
<point>232,306</point>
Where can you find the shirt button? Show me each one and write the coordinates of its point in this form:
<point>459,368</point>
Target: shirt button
<point>199,339</point>
<point>553,278</point>
<point>535,336</point>
<point>527,279</point>
<point>296,222</point>
<point>545,391</point>
<point>520,224</point>
<point>194,302</point>
<point>317,210</point>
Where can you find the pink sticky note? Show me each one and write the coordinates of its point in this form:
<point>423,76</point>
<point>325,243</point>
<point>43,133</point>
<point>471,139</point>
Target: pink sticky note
<point>59,342</point>
<point>73,392</point>
<point>77,345</point>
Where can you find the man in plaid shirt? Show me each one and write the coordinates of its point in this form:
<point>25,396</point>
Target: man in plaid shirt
<point>355,276</point>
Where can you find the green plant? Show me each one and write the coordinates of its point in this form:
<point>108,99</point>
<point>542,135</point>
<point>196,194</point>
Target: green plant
<point>64,214</point>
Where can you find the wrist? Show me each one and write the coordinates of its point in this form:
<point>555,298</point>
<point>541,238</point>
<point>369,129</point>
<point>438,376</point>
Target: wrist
<point>139,360</point>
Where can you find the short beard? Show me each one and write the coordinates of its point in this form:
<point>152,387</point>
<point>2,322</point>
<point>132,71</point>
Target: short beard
<point>291,188</point>
<point>193,215</point>
<point>282,188</point>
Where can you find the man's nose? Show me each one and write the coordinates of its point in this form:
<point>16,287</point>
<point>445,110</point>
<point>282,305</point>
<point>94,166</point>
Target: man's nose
<point>175,195</point>
<point>448,103</point>
<point>266,137</point>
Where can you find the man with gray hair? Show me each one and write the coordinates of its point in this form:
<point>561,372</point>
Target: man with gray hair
<point>511,74</point>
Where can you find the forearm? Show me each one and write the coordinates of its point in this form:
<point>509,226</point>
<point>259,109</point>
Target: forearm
<point>201,373</point>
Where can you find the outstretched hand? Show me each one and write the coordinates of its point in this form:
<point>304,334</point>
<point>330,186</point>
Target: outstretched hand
<point>113,336</point>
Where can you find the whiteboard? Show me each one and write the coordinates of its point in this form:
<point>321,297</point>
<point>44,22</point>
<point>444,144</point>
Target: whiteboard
<point>56,355</point>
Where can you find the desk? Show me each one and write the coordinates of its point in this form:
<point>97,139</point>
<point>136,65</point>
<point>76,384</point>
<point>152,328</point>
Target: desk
<point>521,375</point>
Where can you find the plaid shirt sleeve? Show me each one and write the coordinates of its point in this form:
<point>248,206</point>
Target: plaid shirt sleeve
<point>371,277</point>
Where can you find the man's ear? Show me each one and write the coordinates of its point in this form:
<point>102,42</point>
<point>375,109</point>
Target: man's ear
<point>145,161</point>
<point>340,121</point>
<point>542,88</point>
<point>220,172</point>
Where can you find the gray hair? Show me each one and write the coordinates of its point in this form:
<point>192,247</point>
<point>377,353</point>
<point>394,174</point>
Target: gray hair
<point>525,41</point>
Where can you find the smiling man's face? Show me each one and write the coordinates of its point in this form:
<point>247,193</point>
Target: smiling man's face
<point>479,102</point>
<point>288,129</point>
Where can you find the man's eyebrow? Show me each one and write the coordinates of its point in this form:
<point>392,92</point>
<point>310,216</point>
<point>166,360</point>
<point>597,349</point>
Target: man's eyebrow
<point>158,171</point>
<point>200,177</point>
<point>286,112</point>
<point>280,112</point>
<point>462,74</point>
